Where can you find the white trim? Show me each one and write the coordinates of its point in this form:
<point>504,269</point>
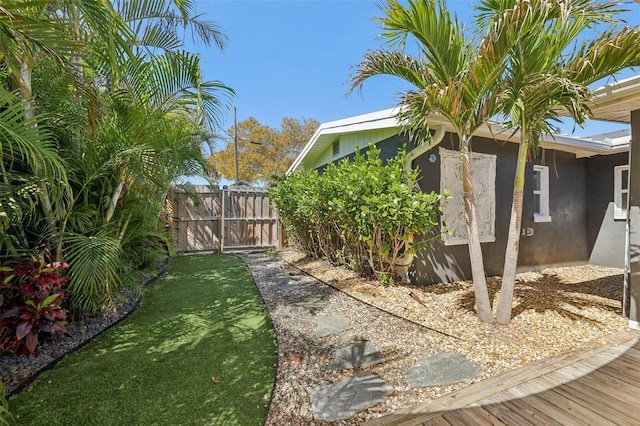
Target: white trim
<point>543,192</point>
<point>619,211</point>
<point>614,101</point>
<point>634,325</point>
<point>375,120</point>
<point>538,218</point>
<point>462,241</point>
<point>387,119</point>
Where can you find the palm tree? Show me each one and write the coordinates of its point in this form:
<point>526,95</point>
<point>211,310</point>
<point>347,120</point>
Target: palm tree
<point>25,146</point>
<point>31,31</point>
<point>155,108</point>
<point>127,115</point>
<point>545,77</point>
<point>452,77</point>
<point>24,30</point>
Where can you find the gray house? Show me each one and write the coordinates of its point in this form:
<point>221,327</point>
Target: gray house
<point>577,190</point>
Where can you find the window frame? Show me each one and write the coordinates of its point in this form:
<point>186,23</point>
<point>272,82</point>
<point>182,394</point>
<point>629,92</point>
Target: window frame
<point>543,215</point>
<point>619,211</point>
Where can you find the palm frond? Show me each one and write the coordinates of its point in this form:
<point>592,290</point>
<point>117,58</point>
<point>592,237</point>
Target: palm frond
<point>174,80</point>
<point>397,64</point>
<point>439,36</point>
<point>609,53</point>
<point>28,140</point>
<point>167,16</point>
<point>94,269</point>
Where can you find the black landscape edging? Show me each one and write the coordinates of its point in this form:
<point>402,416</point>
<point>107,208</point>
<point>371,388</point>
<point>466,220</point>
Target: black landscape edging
<point>275,333</point>
<point>373,306</point>
<point>59,358</point>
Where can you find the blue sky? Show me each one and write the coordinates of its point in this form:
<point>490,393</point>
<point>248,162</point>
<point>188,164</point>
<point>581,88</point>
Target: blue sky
<point>293,58</point>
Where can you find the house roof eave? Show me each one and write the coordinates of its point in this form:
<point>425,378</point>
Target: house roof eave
<point>327,132</point>
<point>613,102</point>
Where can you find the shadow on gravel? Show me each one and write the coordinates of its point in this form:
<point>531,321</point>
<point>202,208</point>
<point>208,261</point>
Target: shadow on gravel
<point>549,293</point>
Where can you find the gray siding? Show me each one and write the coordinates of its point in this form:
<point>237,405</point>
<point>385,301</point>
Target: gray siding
<point>561,241</point>
<point>582,228</point>
<point>605,236</point>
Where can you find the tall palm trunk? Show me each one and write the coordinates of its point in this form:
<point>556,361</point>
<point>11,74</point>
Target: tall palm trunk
<point>114,200</point>
<point>483,305</point>
<point>26,68</point>
<point>505,302</point>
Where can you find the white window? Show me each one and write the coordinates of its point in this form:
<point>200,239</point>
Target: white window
<point>620,191</point>
<point>483,179</point>
<point>541,194</point>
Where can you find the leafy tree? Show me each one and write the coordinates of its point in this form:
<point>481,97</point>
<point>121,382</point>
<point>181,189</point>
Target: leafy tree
<point>154,112</point>
<point>452,76</point>
<point>548,71</point>
<point>262,150</point>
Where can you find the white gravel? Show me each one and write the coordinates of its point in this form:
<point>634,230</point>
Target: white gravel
<point>555,311</point>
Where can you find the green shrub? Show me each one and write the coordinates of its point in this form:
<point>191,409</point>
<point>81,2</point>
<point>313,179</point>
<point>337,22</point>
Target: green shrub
<point>362,213</point>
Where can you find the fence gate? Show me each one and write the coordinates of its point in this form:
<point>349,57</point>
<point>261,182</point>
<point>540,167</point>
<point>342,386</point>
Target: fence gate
<point>239,217</point>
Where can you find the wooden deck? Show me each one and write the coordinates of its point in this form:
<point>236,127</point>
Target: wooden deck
<point>597,385</point>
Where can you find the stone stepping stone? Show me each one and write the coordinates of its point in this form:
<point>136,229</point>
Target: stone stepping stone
<point>332,325</point>
<point>357,355</point>
<point>441,369</point>
<point>271,272</point>
<point>346,397</point>
<point>313,302</point>
<point>293,287</point>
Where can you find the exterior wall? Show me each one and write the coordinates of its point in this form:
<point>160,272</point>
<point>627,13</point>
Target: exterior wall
<point>361,140</point>
<point>605,235</point>
<point>389,148</point>
<point>632,277</point>
<point>561,241</point>
<point>349,142</point>
<point>581,229</point>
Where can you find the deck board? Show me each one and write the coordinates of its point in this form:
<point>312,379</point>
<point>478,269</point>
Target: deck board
<point>604,405</point>
<point>473,416</point>
<point>539,417</point>
<point>599,384</point>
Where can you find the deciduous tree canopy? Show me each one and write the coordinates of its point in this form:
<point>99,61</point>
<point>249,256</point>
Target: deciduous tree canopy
<point>262,150</point>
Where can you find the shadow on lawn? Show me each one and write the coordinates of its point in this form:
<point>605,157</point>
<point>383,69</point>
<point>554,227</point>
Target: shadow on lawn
<point>550,293</point>
<point>199,351</point>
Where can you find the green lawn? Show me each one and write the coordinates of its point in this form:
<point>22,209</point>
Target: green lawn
<point>200,350</point>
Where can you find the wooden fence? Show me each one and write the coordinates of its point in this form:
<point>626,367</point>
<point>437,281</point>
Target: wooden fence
<point>237,217</point>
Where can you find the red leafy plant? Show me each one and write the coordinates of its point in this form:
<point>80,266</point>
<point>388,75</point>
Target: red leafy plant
<point>31,296</point>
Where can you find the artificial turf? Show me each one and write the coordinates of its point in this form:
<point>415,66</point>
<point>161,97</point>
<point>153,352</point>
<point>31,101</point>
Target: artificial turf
<point>200,350</point>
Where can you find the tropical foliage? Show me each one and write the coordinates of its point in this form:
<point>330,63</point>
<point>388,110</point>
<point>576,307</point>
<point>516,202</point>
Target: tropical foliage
<point>362,213</point>
<point>31,297</point>
<point>262,151</point>
<point>452,76</point>
<point>4,407</point>
<point>531,63</point>
<point>548,71</point>
<point>100,110</point>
